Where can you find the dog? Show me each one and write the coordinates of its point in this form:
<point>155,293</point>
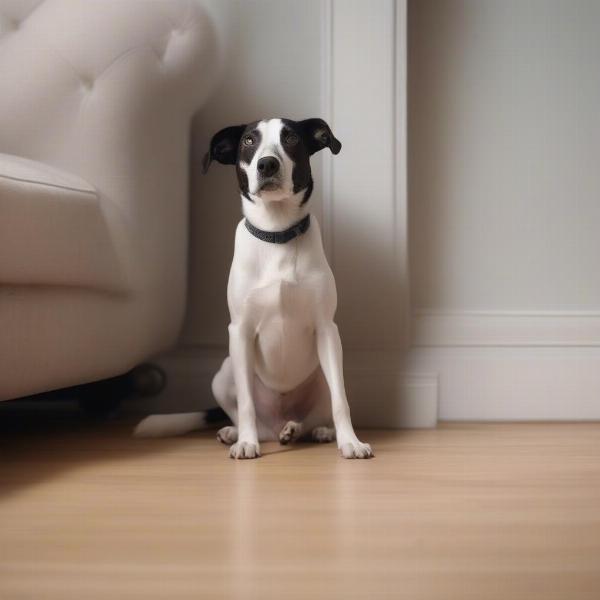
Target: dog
<point>283,378</point>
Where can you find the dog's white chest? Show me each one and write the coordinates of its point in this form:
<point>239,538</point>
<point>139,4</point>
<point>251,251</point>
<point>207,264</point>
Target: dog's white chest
<point>277,288</point>
<point>285,335</point>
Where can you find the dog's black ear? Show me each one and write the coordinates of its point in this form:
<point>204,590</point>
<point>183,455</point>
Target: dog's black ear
<point>224,146</point>
<point>318,135</point>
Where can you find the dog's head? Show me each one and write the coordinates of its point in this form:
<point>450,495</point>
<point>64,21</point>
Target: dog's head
<point>272,156</point>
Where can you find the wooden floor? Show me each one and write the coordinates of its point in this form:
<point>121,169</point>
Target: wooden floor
<point>463,512</point>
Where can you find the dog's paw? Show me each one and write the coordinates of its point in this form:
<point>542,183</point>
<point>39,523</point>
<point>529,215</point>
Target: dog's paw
<point>290,432</point>
<point>227,435</point>
<point>356,450</point>
<point>323,435</point>
<point>244,450</point>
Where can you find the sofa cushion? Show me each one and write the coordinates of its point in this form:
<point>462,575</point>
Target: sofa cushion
<point>52,230</point>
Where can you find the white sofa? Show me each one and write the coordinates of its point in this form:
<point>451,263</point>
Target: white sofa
<point>96,99</point>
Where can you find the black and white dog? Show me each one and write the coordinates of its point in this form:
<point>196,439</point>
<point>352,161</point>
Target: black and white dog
<point>283,378</point>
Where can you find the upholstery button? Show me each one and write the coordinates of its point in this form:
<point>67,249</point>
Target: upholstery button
<point>13,25</point>
<point>87,82</point>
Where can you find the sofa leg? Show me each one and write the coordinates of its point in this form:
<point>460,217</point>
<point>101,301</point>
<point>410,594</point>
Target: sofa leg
<point>102,398</point>
<point>148,379</point>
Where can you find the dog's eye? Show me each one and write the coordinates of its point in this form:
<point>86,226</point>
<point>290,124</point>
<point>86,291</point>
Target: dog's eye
<point>248,140</point>
<point>291,139</point>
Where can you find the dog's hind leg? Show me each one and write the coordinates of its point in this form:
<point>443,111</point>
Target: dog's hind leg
<point>317,424</point>
<point>290,433</point>
<point>227,435</point>
<point>323,434</point>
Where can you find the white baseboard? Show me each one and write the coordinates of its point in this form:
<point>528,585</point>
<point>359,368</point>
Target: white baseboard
<point>496,366</point>
<point>380,393</point>
<point>514,383</point>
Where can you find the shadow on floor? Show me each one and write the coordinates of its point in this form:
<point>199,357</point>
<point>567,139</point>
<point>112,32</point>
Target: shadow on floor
<point>47,441</point>
<point>40,442</point>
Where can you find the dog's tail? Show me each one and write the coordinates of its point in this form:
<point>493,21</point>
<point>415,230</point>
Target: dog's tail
<point>178,423</point>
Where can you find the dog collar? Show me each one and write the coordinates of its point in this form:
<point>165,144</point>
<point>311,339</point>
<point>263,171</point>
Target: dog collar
<point>280,237</point>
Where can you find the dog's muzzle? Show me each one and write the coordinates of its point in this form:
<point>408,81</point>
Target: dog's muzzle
<point>269,174</point>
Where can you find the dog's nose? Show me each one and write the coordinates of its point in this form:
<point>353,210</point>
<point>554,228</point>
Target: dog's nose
<point>268,166</point>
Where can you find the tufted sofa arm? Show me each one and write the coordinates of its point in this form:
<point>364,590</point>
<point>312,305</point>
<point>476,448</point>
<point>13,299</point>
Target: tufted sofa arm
<point>105,90</point>
<point>100,93</point>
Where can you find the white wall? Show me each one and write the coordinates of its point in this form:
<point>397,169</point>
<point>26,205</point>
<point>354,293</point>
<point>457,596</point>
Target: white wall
<point>504,145</point>
<point>504,139</point>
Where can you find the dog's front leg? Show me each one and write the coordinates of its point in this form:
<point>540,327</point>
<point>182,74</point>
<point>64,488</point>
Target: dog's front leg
<point>241,350</point>
<point>329,347</point>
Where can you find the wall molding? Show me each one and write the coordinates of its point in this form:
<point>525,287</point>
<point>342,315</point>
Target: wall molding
<point>351,196</point>
<point>364,215</point>
<point>505,328</point>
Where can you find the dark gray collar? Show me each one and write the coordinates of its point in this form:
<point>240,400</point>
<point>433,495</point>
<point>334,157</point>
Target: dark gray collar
<point>280,237</point>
